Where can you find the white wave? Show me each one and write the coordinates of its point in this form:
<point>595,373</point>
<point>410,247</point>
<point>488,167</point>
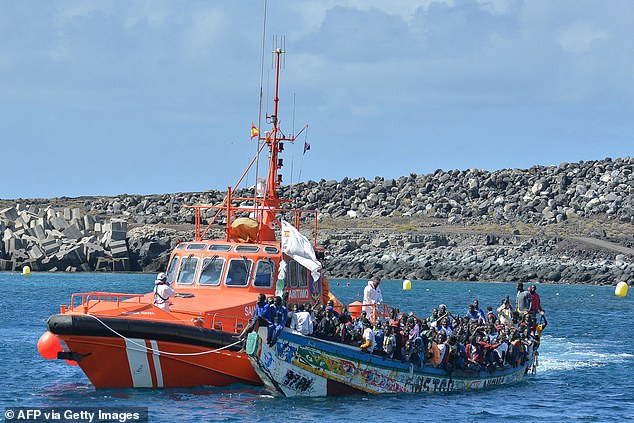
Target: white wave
<point>561,354</point>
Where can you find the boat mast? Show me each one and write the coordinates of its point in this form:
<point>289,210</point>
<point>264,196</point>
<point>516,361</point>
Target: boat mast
<point>273,140</point>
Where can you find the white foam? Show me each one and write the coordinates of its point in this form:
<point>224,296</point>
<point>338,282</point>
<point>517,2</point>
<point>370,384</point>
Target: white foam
<point>560,354</point>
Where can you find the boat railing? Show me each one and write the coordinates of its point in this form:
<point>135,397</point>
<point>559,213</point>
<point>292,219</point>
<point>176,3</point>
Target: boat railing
<point>84,299</point>
<point>378,312</point>
<point>226,323</point>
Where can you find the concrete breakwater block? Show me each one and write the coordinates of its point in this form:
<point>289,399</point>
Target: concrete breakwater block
<point>50,246</point>
<point>59,223</point>
<point>36,252</point>
<point>73,232</point>
<point>119,249</point>
<point>7,265</point>
<point>121,264</point>
<point>89,223</point>
<point>9,213</point>
<point>13,245</point>
<point>37,231</point>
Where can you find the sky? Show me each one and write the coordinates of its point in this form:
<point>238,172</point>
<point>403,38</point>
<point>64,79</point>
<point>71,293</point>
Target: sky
<point>139,97</point>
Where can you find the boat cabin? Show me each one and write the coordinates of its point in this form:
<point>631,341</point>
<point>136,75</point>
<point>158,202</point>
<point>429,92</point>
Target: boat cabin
<point>213,265</point>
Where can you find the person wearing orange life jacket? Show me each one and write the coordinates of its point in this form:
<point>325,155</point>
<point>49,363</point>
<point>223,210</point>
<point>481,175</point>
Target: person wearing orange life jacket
<point>162,292</point>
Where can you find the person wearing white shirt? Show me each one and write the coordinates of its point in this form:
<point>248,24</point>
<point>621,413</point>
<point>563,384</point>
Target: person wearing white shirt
<point>162,292</point>
<point>302,321</point>
<point>369,341</point>
<point>372,297</point>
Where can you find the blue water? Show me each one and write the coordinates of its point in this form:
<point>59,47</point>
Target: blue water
<point>586,367</point>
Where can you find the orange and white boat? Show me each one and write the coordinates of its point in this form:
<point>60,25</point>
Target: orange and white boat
<point>124,340</point>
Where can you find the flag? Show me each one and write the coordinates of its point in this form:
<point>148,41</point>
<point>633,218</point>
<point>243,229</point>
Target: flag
<point>299,248</point>
<point>260,187</point>
<point>306,147</point>
<point>281,279</point>
<point>254,131</point>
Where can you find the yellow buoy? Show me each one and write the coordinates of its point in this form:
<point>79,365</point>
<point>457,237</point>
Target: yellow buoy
<point>26,270</point>
<point>407,285</point>
<point>621,289</point>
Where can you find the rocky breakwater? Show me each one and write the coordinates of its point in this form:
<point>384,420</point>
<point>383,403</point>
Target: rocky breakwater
<point>473,257</point>
<point>50,239</point>
<point>540,195</point>
<point>568,223</point>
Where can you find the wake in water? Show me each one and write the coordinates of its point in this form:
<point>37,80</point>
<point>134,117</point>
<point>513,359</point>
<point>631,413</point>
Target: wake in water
<point>562,354</point>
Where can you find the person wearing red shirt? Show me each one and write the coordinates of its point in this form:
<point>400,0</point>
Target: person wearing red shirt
<point>535,301</point>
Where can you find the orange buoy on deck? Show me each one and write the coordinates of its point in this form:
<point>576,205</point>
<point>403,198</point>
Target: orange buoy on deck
<point>355,309</point>
<point>48,346</point>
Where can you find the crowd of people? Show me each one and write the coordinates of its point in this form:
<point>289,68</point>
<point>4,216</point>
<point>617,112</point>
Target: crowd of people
<point>472,339</point>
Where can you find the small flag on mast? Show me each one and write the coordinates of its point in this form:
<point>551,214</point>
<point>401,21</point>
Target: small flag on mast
<point>306,147</point>
<point>254,131</point>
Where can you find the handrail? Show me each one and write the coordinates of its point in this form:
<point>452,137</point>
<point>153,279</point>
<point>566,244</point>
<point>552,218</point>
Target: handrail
<point>380,311</point>
<point>100,296</point>
<point>219,318</point>
<point>237,324</point>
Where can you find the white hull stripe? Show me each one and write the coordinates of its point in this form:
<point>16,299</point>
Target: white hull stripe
<point>138,362</point>
<point>157,363</point>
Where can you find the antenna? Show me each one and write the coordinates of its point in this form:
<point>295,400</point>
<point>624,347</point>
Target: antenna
<point>257,148</point>
<point>279,43</point>
<point>293,123</point>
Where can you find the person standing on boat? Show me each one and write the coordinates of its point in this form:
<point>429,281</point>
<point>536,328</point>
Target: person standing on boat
<point>372,297</point>
<point>162,292</point>
<point>535,301</point>
<point>277,315</point>
<point>524,299</point>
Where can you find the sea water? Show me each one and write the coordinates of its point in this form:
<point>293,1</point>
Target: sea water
<point>586,362</point>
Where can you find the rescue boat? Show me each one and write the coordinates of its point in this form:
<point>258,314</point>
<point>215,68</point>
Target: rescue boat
<point>123,340</point>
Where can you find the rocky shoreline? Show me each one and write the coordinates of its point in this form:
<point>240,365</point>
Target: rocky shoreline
<point>572,223</point>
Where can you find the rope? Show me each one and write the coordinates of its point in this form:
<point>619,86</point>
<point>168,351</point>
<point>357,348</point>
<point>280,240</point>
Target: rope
<point>159,351</point>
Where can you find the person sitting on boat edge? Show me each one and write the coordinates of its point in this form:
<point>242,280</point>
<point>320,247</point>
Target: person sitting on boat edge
<point>372,297</point>
<point>162,292</point>
<point>369,342</point>
<point>276,315</point>
<point>260,311</point>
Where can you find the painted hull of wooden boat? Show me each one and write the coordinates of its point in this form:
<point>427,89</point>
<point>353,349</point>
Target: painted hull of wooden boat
<point>304,366</point>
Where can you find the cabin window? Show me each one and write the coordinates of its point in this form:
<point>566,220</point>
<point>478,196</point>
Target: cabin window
<point>211,271</point>
<point>171,269</point>
<point>219,247</point>
<point>271,250</point>
<point>187,270</point>
<point>297,275</point>
<point>196,246</point>
<point>239,272</point>
<point>264,274</point>
<point>247,249</point>
<point>181,246</point>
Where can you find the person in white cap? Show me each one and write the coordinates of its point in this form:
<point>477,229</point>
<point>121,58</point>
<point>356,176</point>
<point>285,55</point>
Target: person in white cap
<point>162,292</point>
<point>372,297</point>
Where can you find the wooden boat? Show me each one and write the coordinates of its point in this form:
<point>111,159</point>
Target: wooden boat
<point>299,365</point>
<point>125,340</point>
